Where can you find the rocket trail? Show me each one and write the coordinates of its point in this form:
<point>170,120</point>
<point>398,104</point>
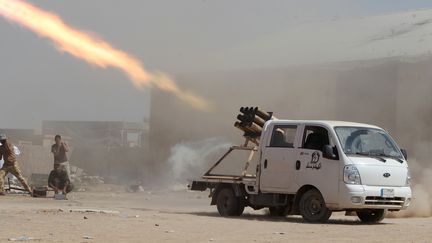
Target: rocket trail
<point>91,49</point>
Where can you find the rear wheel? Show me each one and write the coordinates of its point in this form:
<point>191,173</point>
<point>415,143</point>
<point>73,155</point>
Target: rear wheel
<point>228,204</point>
<point>241,206</point>
<point>313,208</point>
<point>371,215</point>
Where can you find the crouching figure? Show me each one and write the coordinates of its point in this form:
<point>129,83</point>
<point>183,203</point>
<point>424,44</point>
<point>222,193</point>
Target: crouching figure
<point>59,181</point>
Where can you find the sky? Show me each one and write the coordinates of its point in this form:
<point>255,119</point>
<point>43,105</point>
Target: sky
<point>39,83</point>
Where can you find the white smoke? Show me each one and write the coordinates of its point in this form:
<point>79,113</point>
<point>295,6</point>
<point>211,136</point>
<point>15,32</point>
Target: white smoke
<point>189,160</point>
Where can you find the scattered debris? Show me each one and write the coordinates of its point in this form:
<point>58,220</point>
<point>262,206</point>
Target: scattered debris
<point>23,238</point>
<point>81,180</point>
<point>13,186</point>
<point>93,211</point>
<point>124,215</point>
<point>49,211</point>
<point>91,180</point>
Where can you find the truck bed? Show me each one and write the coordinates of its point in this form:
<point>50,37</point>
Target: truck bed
<point>209,181</point>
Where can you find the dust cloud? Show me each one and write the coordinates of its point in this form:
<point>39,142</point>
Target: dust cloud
<point>422,192</point>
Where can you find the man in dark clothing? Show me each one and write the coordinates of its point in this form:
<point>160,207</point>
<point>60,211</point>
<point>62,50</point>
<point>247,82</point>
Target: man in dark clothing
<point>59,149</point>
<point>10,165</point>
<point>59,181</point>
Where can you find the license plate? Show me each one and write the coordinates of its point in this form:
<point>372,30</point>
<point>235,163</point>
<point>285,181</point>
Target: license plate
<point>387,192</point>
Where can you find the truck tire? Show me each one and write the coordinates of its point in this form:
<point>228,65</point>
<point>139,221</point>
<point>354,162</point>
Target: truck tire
<point>279,211</point>
<point>228,204</point>
<point>371,215</point>
<point>312,207</point>
<point>241,206</point>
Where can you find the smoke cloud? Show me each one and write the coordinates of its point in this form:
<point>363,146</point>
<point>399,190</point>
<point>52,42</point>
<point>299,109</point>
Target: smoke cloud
<point>189,160</point>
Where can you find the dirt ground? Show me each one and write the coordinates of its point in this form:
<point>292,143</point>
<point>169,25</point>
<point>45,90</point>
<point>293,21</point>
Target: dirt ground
<point>180,216</point>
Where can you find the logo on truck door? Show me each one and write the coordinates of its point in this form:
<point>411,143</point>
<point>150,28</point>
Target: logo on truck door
<point>315,162</point>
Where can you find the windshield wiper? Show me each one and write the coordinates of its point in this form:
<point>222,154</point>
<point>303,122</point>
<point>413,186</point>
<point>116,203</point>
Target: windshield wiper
<point>391,157</point>
<point>371,156</point>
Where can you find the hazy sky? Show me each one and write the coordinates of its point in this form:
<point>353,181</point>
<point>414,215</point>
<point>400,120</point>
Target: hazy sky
<point>38,82</point>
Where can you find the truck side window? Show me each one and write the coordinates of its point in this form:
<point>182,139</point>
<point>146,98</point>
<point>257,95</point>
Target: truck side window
<point>283,136</point>
<point>315,138</point>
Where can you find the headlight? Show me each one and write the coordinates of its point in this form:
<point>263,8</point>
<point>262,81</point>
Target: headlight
<point>408,179</point>
<point>351,175</point>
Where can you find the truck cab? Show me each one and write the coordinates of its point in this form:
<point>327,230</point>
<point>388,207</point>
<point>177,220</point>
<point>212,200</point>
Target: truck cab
<point>313,168</point>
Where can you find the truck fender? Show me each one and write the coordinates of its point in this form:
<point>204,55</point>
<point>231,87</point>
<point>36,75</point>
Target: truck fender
<point>238,189</point>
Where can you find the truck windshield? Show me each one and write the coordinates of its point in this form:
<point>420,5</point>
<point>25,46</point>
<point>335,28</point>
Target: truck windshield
<point>367,141</point>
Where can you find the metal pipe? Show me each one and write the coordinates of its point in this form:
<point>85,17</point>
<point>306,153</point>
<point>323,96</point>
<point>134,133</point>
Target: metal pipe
<point>259,121</point>
<point>254,127</point>
<point>263,114</point>
<point>243,128</point>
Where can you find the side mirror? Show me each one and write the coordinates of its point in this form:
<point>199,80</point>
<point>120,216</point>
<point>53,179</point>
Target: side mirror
<point>328,152</point>
<point>405,154</point>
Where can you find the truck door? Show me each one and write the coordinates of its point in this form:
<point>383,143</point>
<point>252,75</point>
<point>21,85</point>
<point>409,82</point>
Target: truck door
<point>314,169</point>
<point>278,160</point>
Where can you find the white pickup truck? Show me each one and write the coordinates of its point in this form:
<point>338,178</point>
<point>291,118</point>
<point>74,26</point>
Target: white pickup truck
<point>314,168</point>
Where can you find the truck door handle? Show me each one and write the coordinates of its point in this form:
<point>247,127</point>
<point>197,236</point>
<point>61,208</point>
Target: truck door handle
<point>298,165</point>
<point>265,164</point>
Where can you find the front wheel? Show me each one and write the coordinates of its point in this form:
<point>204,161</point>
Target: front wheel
<point>228,204</point>
<point>371,215</point>
<point>313,208</point>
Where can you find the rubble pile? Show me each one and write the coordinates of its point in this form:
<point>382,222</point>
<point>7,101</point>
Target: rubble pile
<point>81,180</point>
<point>13,185</point>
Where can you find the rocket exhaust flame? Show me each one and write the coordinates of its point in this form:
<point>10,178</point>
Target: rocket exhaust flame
<point>91,49</point>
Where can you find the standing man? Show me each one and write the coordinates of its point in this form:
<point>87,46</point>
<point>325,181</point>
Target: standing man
<point>59,149</point>
<point>7,153</point>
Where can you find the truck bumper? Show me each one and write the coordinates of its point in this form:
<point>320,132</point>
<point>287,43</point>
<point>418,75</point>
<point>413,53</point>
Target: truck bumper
<point>362,196</point>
